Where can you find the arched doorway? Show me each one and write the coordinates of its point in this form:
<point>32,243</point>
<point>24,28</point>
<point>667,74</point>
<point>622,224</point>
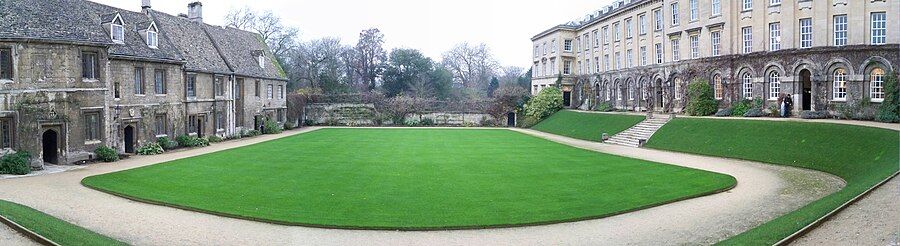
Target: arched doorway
<point>511,119</point>
<point>806,83</point>
<point>129,139</point>
<point>50,142</point>
<point>657,87</point>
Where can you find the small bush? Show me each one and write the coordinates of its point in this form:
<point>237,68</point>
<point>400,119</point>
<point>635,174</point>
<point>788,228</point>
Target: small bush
<point>411,123</point>
<point>287,126</point>
<point>604,107</point>
<point>215,139</point>
<point>756,112</point>
<point>271,127</point>
<point>487,123</point>
<point>253,133</point>
<point>814,115</point>
<point>701,99</point>
<point>742,107</point>
<point>309,122</point>
<point>528,121</point>
<point>191,141</point>
<point>427,122</point>
<point>725,112</point>
<point>16,163</point>
<point>889,111</point>
<point>166,143</point>
<point>546,103</point>
<point>468,124</point>
<point>106,154</point>
<point>775,109</point>
<point>150,149</point>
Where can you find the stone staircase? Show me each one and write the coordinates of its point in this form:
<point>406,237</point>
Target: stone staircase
<point>642,131</point>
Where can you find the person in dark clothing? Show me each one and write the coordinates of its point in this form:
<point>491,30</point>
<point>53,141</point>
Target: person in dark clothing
<point>788,105</point>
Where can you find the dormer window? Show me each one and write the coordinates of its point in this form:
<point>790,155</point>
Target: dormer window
<point>262,61</point>
<point>117,30</point>
<point>152,39</point>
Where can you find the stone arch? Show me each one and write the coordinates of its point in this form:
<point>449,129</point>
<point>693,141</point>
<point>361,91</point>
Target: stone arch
<point>805,64</point>
<point>868,68</point>
<point>836,63</point>
<point>774,66</point>
<point>873,62</point>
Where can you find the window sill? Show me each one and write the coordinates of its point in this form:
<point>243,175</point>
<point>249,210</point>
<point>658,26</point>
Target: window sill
<point>163,135</point>
<point>140,95</point>
<point>161,95</point>
<point>87,80</point>
<point>877,100</point>
<point>6,81</point>
<point>839,100</point>
<point>91,142</point>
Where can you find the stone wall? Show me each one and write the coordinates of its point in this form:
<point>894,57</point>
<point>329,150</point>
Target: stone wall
<point>365,115</point>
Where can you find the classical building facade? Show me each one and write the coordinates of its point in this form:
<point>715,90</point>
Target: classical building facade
<point>641,54</point>
<point>76,75</point>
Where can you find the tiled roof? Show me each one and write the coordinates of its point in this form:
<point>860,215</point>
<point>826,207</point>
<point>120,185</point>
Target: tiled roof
<point>51,20</point>
<point>135,40</point>
<point>241,49</point>
<point>195,46</point>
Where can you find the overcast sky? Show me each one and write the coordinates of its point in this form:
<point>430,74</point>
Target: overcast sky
<point>430,26</point>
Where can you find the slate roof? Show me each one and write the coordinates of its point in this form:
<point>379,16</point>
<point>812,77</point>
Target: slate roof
<point>240,49</point>
<point>195,46</point>
<point>51,20</point>
<point>135,41</point>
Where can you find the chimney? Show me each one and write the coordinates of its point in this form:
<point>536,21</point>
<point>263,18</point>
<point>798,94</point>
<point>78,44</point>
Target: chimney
<point>195,12</point>
<point>145,4</point>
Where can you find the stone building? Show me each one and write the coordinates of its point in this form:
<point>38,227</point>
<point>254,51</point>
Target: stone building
<point>640,54</point>
<point>76,75</point>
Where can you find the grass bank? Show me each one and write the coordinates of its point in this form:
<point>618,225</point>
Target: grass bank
<point>587,126</point>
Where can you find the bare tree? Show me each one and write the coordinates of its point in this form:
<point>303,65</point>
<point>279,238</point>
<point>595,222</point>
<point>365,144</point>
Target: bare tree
<point>472,65</point>
<point>278,37</point>
<point>371,57</point>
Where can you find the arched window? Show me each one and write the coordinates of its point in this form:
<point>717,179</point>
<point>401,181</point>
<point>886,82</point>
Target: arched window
<point>677,88</point>
<point>877,85</point>
<point>597,89</point>
<point>774,85</point>
<point>840,85</point>
<point>631,91</point>
<point>608,92</point>
<point>618,92</point>
<point>747,82</point>
<point>720,88</point>
<point>645,91</point>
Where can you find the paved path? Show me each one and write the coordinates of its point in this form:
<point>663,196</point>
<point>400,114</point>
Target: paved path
<point>873,220</point>
<point>10,237</point>
<point>763,192</point>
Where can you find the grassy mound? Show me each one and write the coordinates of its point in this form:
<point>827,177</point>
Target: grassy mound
<point>587,126</point>
<point>411,179</point>
<point>52,228</point>
<point>862,156</point>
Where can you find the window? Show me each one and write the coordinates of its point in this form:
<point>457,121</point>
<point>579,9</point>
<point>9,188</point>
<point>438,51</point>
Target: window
<point>269,91</point>
<point>6,64</point>
<point>116,93</point>
<point>642,19</point>
<point>716,7</point>
<point>748,5</point>
<point>659,20</point>
<point>630,92</point>
<point>617,30</point>
<point>220,86</point>
<point>587,65</point>
<point>152,39</point>
<point>716,37</point>
<point>91,126</point>
<point>191,86</point>
<point>597,64</point>
<point>543,47</point>
<point>256,88</point>
<point>605,35</point>
<point>747,84</point>
<point>660,58</point>
<point>578,44</point>
<point>117,33</point>
<point>139,81</point>
<point>89,65</point>
<point>840,30</point>
<point>553,46</point>
<point>161,127</point>
<point>587,42</point>
<point>774,85</point>
<point>606,62</point>
<point>774,36</point>
<point>553,67</point>
<point>643,55</point>
<point>618,92</point>
<point>774,2</point>
<point>806,33</point>
<point>618,60</point>
<point>695,46</point>
<point>567,67</point>
<point>544,68</point>
<point>748,39</point>
<point>159,79</point>
<point>879,28</point>
<point>840,85</point>
<point>695,12</point>
<point>674,14</point>
<point>628,25</point>
<point>6,133</point>
<point>281,92</point>
<point>536,50</point>
<point>628,55</point>
<point>677,88</point>
<point>675,53</point>
<point>720,88</point>
<point>567,45</point>
<point>220,120</point>
<point>596,38</point>
<point>877,85</point>
<point>580,68</point>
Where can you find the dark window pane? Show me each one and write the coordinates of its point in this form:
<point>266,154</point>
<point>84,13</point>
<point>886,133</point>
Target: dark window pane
<point>6,64</point>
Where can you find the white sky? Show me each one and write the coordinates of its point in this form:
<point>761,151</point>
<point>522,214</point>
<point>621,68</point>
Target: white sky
<point>430,26</point>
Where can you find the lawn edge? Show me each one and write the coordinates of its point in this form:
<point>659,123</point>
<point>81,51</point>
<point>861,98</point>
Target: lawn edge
<point>34,236</point>
<point>380,228</point>
<point>815,224</point>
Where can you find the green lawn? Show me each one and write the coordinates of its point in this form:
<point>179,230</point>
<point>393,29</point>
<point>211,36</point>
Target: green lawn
<point>411,179</point>
<point>587,126</point>
<point>52,228</point>
<point>860,155</point>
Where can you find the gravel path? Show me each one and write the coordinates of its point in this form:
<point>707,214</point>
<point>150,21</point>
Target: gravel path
<point>763,192</point>
<point>8,236</point>
<point>873,220</point>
